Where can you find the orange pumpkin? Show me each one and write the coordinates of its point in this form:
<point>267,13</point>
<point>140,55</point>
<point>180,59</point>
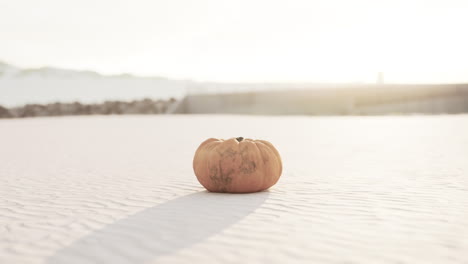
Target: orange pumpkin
<point>237,165</point>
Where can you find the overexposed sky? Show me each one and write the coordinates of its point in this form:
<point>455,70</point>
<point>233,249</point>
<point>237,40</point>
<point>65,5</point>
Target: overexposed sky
<point>243,40</point>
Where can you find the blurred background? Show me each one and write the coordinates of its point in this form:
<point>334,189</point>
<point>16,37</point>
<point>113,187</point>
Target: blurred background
<point>296,57</point>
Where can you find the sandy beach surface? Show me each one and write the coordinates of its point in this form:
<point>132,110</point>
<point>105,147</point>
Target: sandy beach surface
<point>122,190</point>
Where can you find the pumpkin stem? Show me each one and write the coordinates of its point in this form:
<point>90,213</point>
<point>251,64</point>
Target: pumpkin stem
<point>239,139</point>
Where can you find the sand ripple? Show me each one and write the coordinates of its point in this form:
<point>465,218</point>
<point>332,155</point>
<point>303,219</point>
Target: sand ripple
<point>122,190</point>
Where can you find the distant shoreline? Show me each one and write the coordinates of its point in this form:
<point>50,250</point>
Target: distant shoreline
<point>145,106</point>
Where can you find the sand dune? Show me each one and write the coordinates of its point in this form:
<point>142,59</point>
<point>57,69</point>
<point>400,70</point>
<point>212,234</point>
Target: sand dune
<point>121,190</point>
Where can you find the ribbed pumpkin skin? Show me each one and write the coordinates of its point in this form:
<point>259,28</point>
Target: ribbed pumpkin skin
<point>235,166</point>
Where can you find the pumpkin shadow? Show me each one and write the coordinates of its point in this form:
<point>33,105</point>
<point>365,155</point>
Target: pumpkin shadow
<point>161,230</point>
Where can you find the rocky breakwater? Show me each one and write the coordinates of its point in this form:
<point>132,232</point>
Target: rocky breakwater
<point>145,106</point>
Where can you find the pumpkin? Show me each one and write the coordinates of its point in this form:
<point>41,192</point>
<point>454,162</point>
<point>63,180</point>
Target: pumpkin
<point>237,165</point>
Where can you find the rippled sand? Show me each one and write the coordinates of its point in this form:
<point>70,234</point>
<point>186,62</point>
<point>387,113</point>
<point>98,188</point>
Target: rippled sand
<point>122,190</point>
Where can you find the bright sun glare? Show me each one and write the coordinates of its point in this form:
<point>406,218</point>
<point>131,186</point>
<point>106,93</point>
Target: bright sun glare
<point>262,40</point>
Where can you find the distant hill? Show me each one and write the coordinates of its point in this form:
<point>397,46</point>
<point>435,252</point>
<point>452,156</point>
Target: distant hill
<point>8,71</point>
<point>47,84</point>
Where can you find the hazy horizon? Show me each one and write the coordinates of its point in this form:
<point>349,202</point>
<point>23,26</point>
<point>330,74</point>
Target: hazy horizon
<point>242,41</point>
<point>228,82</point>
<point>254,82</point>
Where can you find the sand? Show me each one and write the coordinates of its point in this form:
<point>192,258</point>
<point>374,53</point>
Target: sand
<point>122,190</point>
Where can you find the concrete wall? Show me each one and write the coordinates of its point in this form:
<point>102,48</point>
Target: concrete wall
<point>337,100</point>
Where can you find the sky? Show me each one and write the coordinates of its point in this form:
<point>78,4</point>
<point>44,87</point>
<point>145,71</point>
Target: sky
<point>243,40</point>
